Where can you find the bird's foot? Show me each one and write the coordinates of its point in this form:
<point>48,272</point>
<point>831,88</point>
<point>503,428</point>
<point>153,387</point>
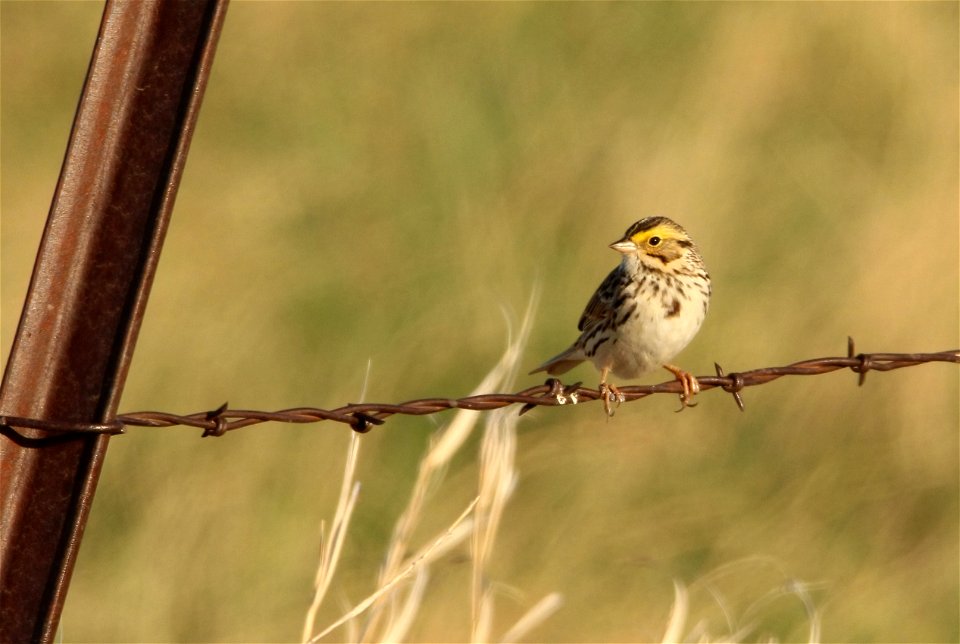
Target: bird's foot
<point>691,386</point>
<point>610,394</point>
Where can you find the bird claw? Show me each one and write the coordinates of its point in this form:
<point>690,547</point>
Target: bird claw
<point>610,394</point>
<point>690,384</point>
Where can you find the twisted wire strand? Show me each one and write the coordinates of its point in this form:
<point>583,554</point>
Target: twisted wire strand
<point>362,417</point>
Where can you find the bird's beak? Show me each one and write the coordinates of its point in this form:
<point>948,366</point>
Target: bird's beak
<point>624,246</point>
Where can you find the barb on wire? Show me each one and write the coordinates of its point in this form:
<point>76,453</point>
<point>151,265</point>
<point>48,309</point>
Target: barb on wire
<point>363,416</point>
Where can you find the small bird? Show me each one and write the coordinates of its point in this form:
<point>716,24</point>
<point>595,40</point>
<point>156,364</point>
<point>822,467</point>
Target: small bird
<point>645,312</point>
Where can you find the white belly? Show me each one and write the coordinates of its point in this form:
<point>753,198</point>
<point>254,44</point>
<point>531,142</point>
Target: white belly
<point>650,339</point>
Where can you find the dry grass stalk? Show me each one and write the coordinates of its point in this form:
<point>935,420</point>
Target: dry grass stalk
<point>678,614</point>
<point>533,617</point>
<point>497,480</point>
<point>332,544</point>
<point>403,620</point>
<point>496,483</point>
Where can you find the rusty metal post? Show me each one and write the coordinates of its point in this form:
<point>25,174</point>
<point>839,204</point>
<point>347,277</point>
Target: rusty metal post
<point>89,288</point>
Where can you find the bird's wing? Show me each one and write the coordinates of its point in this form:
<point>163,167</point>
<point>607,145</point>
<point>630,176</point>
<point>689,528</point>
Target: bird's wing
<point>601,305</point>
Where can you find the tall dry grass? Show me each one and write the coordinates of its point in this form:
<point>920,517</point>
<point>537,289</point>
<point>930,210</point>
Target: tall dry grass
<point>387,614</point>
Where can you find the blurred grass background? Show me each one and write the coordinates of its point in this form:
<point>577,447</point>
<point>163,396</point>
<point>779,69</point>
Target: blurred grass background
<point>376,182</point>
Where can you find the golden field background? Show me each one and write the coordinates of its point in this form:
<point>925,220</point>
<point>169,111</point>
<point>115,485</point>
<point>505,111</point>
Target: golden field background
<point>380,182</point>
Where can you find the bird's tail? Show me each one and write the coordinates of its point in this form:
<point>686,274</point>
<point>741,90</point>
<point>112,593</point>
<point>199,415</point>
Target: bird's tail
<point>562,362</point>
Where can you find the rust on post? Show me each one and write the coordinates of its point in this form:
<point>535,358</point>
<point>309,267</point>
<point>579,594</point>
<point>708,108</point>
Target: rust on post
<point>89,287</point>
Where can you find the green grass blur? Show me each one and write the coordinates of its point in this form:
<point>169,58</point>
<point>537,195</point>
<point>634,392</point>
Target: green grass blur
<point>381,181</point>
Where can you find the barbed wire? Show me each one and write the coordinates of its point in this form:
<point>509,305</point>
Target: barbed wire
<point>362,417</point>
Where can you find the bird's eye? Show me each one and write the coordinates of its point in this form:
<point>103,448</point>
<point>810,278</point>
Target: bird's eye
<point>654,241</point>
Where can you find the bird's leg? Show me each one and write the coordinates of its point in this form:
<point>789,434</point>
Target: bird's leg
<point>690,385</point>
<point>609,392</point>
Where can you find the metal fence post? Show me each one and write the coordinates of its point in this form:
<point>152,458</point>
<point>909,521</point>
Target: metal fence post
<point>89,288</point>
